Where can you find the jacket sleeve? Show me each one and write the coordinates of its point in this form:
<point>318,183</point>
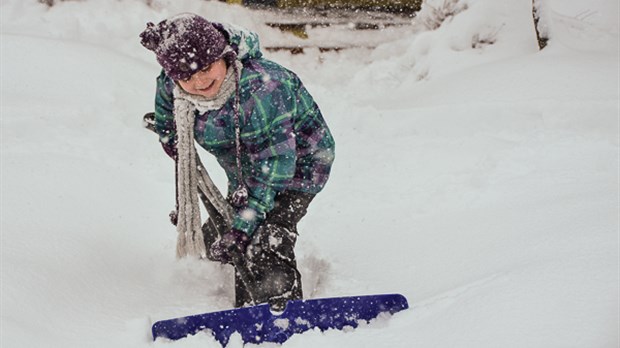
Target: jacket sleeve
<point>271,147</point>
<point>164,111</point>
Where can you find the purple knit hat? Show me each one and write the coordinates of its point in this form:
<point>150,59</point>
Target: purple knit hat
<point>184,44</point>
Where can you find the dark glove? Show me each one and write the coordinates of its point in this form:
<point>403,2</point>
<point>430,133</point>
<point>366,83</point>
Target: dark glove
<point>171,150</point>
<point>232,242</point>
<point>149,123</point>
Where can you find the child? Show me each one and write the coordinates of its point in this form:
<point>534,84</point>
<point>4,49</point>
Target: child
<point>264,129</point>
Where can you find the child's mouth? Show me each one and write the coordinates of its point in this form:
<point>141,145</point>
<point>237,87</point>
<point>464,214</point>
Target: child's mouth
<point>206,88</point>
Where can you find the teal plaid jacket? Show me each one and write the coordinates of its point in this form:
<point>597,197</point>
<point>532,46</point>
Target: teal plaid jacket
<point>286,144</point>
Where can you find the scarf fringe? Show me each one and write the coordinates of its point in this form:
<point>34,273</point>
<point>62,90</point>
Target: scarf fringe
<point>190,239</point>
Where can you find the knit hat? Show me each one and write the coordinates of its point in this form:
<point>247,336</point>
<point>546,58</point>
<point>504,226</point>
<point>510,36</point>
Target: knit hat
<point>184,44</point>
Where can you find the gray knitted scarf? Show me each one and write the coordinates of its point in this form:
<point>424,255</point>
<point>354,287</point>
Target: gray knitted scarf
<point>190,239</point>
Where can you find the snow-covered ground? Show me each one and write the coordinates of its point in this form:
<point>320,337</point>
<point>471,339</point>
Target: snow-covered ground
<point>478,179</point>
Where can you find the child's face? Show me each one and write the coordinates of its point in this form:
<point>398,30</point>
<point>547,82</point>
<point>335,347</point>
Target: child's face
<point>206,82</point>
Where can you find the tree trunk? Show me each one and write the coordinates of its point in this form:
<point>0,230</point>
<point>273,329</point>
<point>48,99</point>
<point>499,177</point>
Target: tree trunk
<point>541,35</point>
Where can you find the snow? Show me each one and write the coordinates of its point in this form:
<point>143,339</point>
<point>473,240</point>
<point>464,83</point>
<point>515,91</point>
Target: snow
<point>479,180</point>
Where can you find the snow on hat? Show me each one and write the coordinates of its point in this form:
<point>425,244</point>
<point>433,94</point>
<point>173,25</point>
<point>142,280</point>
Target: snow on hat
<point>184,44</point>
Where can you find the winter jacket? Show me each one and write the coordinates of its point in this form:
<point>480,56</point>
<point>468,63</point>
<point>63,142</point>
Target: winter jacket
<point>286,144</point>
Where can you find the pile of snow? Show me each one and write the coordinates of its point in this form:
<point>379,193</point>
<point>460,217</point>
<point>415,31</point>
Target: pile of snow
<point>474,174</point>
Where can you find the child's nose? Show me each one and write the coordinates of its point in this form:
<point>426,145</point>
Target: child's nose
<point>202,81</point>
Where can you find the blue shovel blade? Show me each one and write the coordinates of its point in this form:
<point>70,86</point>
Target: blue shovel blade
<point>259,324</point>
